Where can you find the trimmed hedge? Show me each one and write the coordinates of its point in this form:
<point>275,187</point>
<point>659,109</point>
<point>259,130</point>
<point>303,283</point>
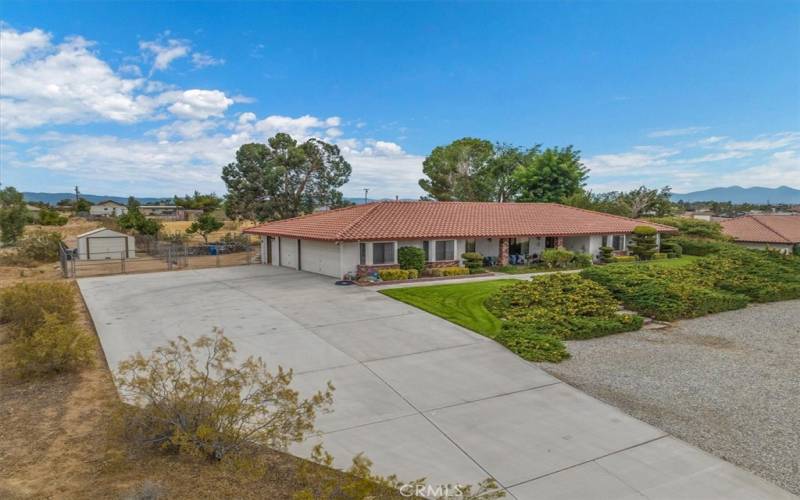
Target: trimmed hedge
<point>672,248</point>
<point>727,278</point>
<point>411,258</point>
<point>699,247</point>
<point>448,271</point>
<point>562,305</point>
<point>524,341</point>
<point>398,274</point>
<point>625,258</point>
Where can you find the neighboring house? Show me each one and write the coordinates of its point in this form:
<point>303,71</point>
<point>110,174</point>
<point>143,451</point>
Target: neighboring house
<point>188,213</point>
<point>102,244</point>
<point>159,211</point>
<point>108,208</point>
<point>362,238</point>
<point>779,232</point>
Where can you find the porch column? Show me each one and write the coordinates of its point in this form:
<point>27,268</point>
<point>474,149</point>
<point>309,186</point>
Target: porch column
<point>560,242</point>
<point>502,258</point>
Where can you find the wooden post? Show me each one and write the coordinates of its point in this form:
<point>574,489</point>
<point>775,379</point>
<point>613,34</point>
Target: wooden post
<point>502,258</point>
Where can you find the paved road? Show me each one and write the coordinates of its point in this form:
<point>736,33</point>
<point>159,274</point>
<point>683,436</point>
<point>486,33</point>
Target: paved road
<point>420,396</point>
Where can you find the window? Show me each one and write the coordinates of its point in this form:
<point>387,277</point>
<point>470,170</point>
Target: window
<point>604,242</point>
<point>617,242</point>
<point>383,253</point>
<point>550,242</point>
<point>362,254</point>
<point>445,250</point>
<point>470,246</point>
<point>426,246</point>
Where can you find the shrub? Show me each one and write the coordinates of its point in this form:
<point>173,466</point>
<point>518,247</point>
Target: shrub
<point>25,305</point>
<point>411,258</point>
<point>626,258</point>
<point>527,343</point>
<point>606,255</point>
<point>692,227</point>
<point>699,247</point>
<point>582,260</point>
<point>54,347</point>
<point>40,246</point>
<point>235,241</point>
<point>557,257</point>
<point>448,271</point>
<point>397,274</point>
<point>48,217</point>
<point>672,248</point>
<point>192,399</point>
<point>473,261</point>
<point>643,244</point>
<point>659,255</point>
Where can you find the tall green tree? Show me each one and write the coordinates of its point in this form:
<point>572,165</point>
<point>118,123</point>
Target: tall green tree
<point>502,167</point>
<point>13,215</point>
<point>459,171</point>
<point>198,201</point>
<point>550,175</point>
<point>284,178</point>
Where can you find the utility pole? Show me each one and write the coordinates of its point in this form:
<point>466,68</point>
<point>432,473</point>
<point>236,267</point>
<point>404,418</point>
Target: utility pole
<point>366,190</point>
<point>77,196</point>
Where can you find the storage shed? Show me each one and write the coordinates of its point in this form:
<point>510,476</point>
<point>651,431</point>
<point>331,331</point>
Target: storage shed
<point>102,244</point>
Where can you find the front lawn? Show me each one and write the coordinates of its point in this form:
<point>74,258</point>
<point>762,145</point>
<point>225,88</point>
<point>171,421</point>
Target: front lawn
<point>463,304</point>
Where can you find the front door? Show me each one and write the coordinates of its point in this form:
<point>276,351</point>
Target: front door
<point>269,249</point>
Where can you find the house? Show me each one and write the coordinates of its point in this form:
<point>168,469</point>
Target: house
<point>102,244</point>
<point>159,211</point>
<point>779,232</point>
<point>362,238</point>
<point>108,208</point>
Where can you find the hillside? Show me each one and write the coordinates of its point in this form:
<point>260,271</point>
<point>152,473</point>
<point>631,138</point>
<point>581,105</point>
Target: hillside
<point>737,194</point>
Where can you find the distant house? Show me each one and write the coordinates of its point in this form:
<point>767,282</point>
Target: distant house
<point>159,211</point>
<point>779,232</point>
<point>366,237</point>
<point>105,244</point>
<point>108,208</point>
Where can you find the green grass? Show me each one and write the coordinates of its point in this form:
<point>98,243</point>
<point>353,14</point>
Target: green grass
<point>462,303</point>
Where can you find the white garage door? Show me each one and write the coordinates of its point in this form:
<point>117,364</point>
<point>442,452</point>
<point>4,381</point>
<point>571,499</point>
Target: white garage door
<point>320,257</point>
<point>289,252</point>
<point>106,247</point>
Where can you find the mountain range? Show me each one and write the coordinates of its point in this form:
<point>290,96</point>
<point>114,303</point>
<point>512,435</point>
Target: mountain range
<point>53,198</point>
<point>738,194</point>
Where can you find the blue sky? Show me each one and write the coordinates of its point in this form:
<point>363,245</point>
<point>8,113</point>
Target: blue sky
<point>153,99</point>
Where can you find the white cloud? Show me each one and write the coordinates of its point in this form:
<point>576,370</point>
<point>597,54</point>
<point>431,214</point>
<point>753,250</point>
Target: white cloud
<point>202,60</point>
<point>714,139</point>
<point>199,104</point>
<point>779,169</point>
<point>164,52</point>
<point>247,117</point>
<point>632,161</point>
<point>725,155</point>
<point>677,132</point>
<point>66,83</point>
<point>766,142</point>
<point>334,132</point>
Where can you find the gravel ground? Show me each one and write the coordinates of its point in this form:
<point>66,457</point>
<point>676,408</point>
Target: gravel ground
<point>728,383</point>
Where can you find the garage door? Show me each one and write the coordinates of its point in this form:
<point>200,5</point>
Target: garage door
<point>320,257</point>
<point>105,247</point>
<point>289,252</point>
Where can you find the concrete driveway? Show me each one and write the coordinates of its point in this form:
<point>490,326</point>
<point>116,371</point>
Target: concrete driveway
<point>420,396</point>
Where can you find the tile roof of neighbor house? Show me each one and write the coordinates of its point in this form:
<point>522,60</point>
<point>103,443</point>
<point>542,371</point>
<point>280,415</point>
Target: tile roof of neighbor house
<point>764,228</point>
<point>407,220</point>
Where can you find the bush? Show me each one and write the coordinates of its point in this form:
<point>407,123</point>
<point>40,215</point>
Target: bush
<point>643,244</point>
<point>411,258</point>
<point>448,271</point>
<point>524,341</point>
<point>48,217</point>
<point>561,305</point>
<point>699,247</point>
<point>582,260</point>
<point>692,227</point>
<point>397,274</point>
<point>557,257</point>
<point>672,248</point>
<point>235,241</point>
<point>25,305</point>
<point>474,262</point>
<point>606,255</point>
<point>659,255</point>
<point>192,399</point>
<point>40,246</point>
<point>626,258</point>
<point>54,347</point>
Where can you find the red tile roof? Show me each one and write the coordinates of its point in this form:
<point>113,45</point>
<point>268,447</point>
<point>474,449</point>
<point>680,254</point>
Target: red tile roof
<point>408,220</point>
<point>764,228</point>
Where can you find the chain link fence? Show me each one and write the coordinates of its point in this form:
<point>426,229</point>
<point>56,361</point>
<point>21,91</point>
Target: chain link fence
<point>152,255</point>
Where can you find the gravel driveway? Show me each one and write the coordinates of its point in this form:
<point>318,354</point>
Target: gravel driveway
<point>728,383</point>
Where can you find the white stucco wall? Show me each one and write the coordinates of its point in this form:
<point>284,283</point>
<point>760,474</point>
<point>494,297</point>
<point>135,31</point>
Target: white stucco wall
<point>785,248</point>
<point>288,252</point>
